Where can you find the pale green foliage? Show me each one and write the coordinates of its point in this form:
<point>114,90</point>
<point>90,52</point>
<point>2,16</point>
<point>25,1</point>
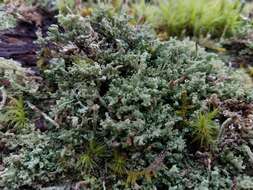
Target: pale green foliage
<point>8,21</point>
<point>32,159</point>
<point>246,182</point>
<point>112,87</point>
<point>10,67</point>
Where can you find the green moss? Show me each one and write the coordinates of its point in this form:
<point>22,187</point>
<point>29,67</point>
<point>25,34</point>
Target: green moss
<point>198,18</point>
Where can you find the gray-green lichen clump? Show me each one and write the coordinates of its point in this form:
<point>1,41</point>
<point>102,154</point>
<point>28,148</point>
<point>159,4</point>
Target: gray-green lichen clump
<point>115,108</point>
<point>8,21</point>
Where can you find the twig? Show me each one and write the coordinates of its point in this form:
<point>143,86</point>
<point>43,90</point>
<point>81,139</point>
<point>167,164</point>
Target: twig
<point>224,125</point>
<point>249,152</point>
<point>46,117</point>
<point>158,162</point>
<point>104,188</point>
<point>177,81</point>
<point>81,184</point>
<point>234,184</point>
<point>4,97</point>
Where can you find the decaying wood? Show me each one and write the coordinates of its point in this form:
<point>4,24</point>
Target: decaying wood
<point>18,43</point>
